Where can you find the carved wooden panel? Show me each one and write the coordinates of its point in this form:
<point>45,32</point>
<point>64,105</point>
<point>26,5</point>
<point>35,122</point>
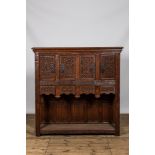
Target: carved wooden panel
<point>67,67</point>
<point>67,90</point>
<point>47,67</point>
<point>93,71</point>
<point>87,67</point>
<point>107,66</point>
<point>87,89</point>
<point>47,90</point>
<point>107,90</point>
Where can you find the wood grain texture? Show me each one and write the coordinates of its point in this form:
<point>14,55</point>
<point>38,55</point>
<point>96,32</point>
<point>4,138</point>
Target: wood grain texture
<point>77,144</point>
<point>77,85</point>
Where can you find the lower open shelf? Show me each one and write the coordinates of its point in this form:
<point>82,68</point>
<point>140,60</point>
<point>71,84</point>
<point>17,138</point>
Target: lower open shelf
<point>102,128</point>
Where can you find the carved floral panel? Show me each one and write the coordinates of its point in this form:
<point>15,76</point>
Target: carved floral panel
<point>67,67</point>
<point>47,67</point>
<point>87,67</point>
<point>107,66</point>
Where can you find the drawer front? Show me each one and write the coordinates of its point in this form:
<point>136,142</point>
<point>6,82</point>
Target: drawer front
<point>67,67</point>
<point>87,89</point>
<point>47,90</point>
<point>47,65</point>
<point>107,66</point>
<point>72,90</point>
<point>107,89</point>
<point>87,67</point>
<point>67,90</point>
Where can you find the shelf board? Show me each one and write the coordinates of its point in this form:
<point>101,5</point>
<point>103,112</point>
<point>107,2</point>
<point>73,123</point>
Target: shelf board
<point>102,128</point>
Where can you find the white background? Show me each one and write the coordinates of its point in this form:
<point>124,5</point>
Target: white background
<point>59,23</point>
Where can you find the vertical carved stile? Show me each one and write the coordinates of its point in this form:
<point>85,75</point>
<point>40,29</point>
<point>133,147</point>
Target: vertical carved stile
<point>117,97</point>
<point>97,67</point>
<point>57,67</point>
<point>57,89</point>
<point>97,88</point>
<point>77,94</point>
<point>37,56</point>
<point>77,66</point>
<point>37,95</point>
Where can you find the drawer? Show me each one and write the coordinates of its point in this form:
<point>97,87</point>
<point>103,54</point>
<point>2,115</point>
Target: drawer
<point>78,82</point>
<point>107,89</point>
<point>47,90</point>
<point>67,90</point>
<point>87,89</point>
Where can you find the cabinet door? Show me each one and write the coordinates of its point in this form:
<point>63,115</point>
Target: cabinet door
<point>107,66</point>
<point>47,67</point>
<point>67,67</point>
<point>87,67</point>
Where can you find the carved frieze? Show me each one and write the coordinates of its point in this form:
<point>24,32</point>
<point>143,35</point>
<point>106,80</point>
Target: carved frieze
<point>67,89</point>
<point>47,90</point>
<point>87,89</point>
<point>107,90</point>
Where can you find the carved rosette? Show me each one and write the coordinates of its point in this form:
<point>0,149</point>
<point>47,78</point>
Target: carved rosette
<point>47,90</point>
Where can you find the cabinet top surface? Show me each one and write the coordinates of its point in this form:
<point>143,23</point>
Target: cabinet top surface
<point>71,49</point>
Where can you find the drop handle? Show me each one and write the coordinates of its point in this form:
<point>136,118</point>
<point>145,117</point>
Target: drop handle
<point>62,68</point>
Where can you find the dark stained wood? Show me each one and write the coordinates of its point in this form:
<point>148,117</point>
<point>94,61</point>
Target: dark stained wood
<point>104,128</point>
<point>37,95</point>
<point>117,98</point>
<point>77,86</point>
<point>76,48</point>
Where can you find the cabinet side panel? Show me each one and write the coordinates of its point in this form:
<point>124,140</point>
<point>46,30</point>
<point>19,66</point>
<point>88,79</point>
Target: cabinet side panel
<point>37,95</point>
<point>117,95</point>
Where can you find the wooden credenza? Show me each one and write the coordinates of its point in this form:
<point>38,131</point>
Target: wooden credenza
<point>77,90</point>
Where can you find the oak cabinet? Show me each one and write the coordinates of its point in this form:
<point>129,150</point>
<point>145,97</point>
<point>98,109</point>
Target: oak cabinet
<point>77,90</point>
